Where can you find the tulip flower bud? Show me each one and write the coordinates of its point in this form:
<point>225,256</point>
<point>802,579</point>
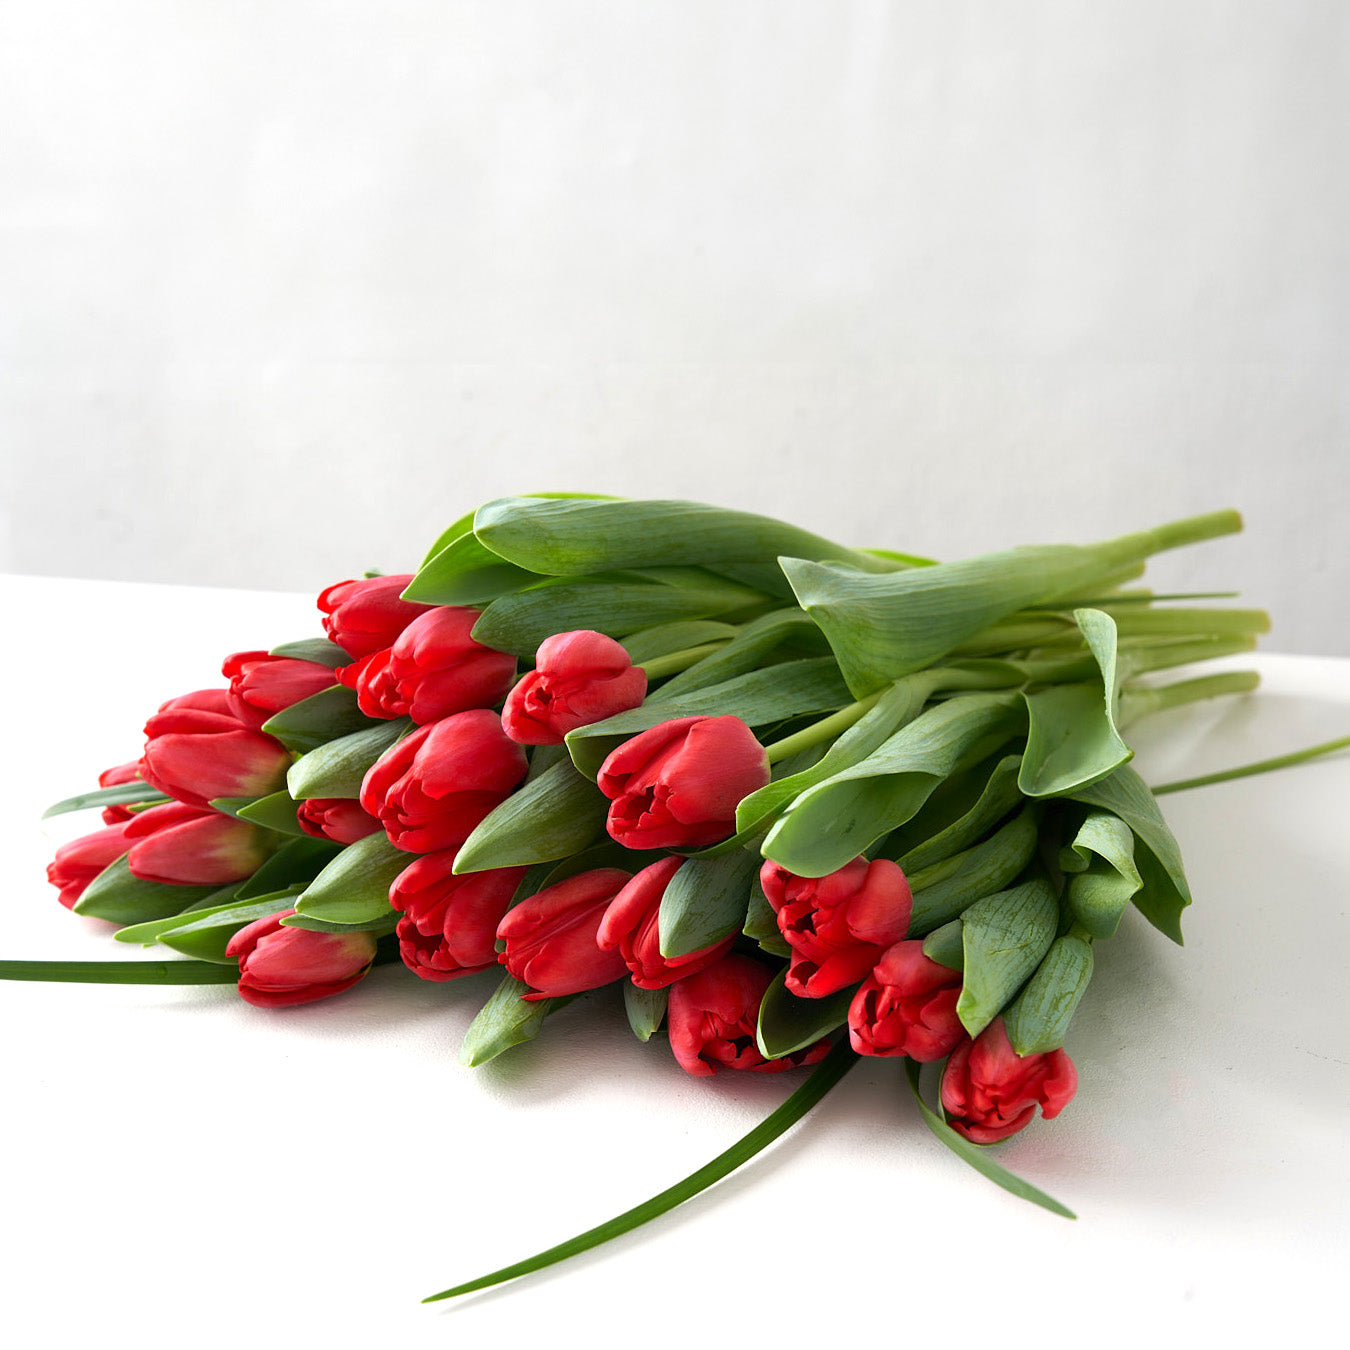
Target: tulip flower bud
<point>280,966</point>
<point>340,819</point>
<point>578,678</point>
<point>183,845</point>
<point>711,1019</point>
<point>262,685</point>
<point>631,924</point>
<point>194,753</point>
<point>677,785</point>
<point>115,777</point>
<point>989,1091</point>
<point>907,1006</point>
<point>364,616</point>
<point>550,937</point>
<point>430,789</point>
<point>837,925</point>
<point>449,923</point>
<point>77,863</point>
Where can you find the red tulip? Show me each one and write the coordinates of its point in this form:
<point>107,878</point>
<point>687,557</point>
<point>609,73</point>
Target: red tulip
<point>578,678</point>
<point>837,925</point>
<point>711,1019</point>
<point>550,937</point>
<point>630,924</point>
<point>433,669</point>
<point>449,923</point>
<point>341,819</point>
<point>183,845</point>
<point>989,1091</point>
<point>678,784</point>
<point>115,777</point>
<point>77,863</point>
<point>262,685</point>
<point>907,1006</point>
<point>431,788</point>
<point>363,616</point>
<point>195,754</point>
<point>280,967</point>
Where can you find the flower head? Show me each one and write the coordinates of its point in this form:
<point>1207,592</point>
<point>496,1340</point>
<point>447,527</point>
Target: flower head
<point>578,678</point>
<point>281,966</point>
<point>907,1006</point>
<point>364,616</point>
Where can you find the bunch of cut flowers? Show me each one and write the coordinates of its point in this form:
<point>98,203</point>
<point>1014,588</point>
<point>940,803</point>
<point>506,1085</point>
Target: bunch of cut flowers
<point>803,802</point>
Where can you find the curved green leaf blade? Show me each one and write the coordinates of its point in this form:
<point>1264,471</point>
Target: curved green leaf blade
<point>122,794</point>
<point>338,768</point>
<point>1039,1017</point>
<point>506,1019</point>
<point>705,902</point>
<point>314,721</point>
<point>646,1009</point>
<point>823,1077</point>
<point>1005,937</point>
<point>647,644</point>
<point>353,890</point>
<point>466,572</point>
<point>787,1023</point>
<point>1102,876</point>
<point>319,650</point>
<point>121,898</point>
<point>922,846</point>
<point>747,650</point>
<point>976,1156</point>
<point>274,812</point>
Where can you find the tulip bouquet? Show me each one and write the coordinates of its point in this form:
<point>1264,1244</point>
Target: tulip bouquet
<point>803,802</point>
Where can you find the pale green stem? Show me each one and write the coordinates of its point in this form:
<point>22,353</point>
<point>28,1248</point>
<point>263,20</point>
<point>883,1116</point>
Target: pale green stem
<point>674,662</point>
<point>1260,766</point>
<point>1136,703</point>
<point>824,730</point>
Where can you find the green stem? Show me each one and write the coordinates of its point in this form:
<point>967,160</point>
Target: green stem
<point>826,1074</point>
<point>824,730</point>
<point>1260,766</point>
<point>674,662</point>
<point>1136,703</point>
<point>122,972</point>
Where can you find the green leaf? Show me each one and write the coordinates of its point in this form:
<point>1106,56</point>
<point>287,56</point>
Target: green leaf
<point>834,821</point>
<point>946,945</point>
<point>883,627</point>
<point>646,1009</point>
<point>121,898</point>
<point>296,862</point>
<point>647,644</point>
<point>746,651</point>
<point>462,526</point>
<point>976,1157</point>
<point>314,721</point>
<point>787,1023</point>
<point>705,902</point>
<point>506,1019</point>
<point>551,817</point>
<point>1005,936</point>
<point>761,923</point>
<point>274,812</point>
<point>319,650</point>
<point>519,622</point>
<point>792,689</point>
<point>204,934</point>
<point>337,769</point>
<point>1102,873</point>
<point>924,845</point>
<point>120,972</point>
<point>353,890</point>
<point>466,572</point>
<point>1072,738</point>
<point>823,1077</point>
<point>1039,1017</point>
<point>385,924</point>
<point>1157,855</point>
<point>123,794</point>
<point>945,889</point>
<point>572,538</point>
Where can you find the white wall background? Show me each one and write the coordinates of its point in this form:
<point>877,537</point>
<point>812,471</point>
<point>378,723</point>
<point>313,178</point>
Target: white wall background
<point>285,286</point>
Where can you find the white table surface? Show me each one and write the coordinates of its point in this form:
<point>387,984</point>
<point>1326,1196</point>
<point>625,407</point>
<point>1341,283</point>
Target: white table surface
<point>183,1169</point>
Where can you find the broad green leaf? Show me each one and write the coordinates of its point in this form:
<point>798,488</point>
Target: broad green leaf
<point>274,812</point>
<point>319,650</point>
<point>337,769</point>
<point>793,689</point>
<point>834,821</point>
<point>147,934</point>
<point>551,817</point>
<point>646,1009</point>
<point>462,526</point>
<point>946,945</point>
<point>571,538</point>
<point>314,721</point>
<point>1103,877</point>
<point>746,651</point>
<point>354,888</point>
<point>823,1077</point>
<point>761,923</point>
<point>204,934</point>
<point>123,794</point>
<point>647,644</point>
<point>1072,738</point>
<point>1039,1017</point>
<point>977,1157</point>
<point>957,828</point>
<point>942,891</point>
<point>121,898</point>
<point>882,627</point>
<point>506,1019</point>
<point>1005,936</point>
<point>466,572</point>
<point>298,861</point>
<point>705,902</point>
<point>787,1023</point>
<point>1165,893</point>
